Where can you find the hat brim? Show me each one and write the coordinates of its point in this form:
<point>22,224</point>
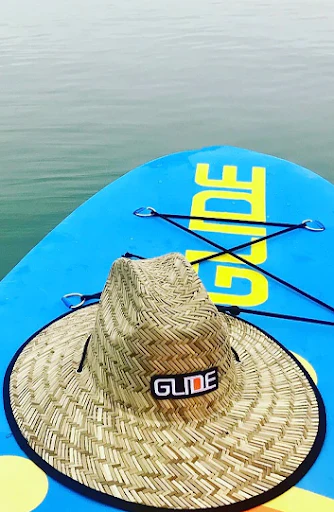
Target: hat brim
<point>236,459</point>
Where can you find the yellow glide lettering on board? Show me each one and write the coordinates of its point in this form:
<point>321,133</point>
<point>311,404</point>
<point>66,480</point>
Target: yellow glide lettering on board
<point>229,178</point>
<point>257,255</point>
<point>234,191</point>
<point>224,279</point>
<point>255,197</point>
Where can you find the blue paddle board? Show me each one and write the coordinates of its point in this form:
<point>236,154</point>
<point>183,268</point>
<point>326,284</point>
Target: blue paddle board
<point>256,192</point>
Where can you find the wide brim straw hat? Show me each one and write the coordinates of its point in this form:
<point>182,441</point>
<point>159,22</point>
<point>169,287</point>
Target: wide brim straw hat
<point>153,399</point>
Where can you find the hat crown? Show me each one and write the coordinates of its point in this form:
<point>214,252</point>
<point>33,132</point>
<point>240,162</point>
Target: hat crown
<point>155,319</point>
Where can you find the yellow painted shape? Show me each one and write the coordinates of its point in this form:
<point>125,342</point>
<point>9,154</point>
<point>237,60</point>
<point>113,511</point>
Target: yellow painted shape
<point>258,254</point>
<point>263,508</point>
<point>255,196</point>
<point>256,201</point>
<point>232,229</point>
<point>224,276</point>
<point>308,367</point>
<point>300,500</point>
<point>229,177</point>
<point>23,486</point>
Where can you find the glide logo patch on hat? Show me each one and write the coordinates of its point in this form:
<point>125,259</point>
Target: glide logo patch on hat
<point>184,385</point>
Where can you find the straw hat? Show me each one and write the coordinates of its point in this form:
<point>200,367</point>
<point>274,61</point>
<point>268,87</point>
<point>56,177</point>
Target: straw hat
<point>152,398</point>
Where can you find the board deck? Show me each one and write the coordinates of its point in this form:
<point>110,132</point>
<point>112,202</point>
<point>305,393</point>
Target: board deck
<point>212,182</point>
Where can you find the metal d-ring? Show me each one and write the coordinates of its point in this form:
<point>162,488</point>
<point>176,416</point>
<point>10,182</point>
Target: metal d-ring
<point>320,225</point>
<point>74,294</point>
<point>139,211</point>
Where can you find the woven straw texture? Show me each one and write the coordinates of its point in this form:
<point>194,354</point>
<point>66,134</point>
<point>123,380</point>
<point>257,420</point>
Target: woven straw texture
<point>103,428</point>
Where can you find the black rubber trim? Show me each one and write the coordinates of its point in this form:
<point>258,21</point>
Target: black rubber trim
<point>135,507</point>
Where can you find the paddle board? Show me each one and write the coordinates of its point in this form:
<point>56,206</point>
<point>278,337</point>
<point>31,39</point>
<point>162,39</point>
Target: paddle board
<point>213,183</point>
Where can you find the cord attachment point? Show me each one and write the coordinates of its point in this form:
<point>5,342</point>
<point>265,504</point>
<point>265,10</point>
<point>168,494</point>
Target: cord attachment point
<point>145,211</point>
<point>68,303</point>
<point>313,225</point>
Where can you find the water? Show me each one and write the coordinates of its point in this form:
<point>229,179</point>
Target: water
<point>92,88</point>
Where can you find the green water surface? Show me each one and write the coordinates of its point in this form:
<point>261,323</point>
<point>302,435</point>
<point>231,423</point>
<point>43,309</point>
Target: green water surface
<point>90,89</point>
